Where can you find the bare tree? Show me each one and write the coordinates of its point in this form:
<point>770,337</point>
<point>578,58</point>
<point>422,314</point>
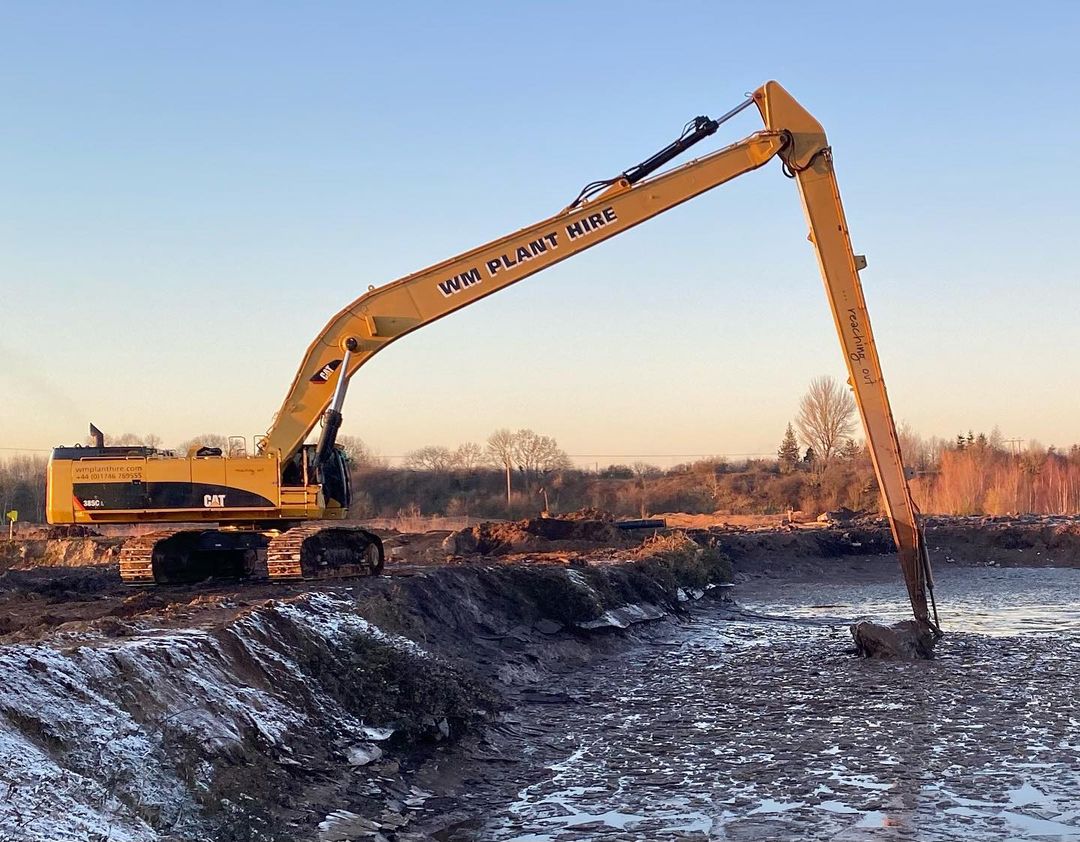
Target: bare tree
<point>22,487</point>
<point>826,418</point>
<point>709,470</point>
<point>359,454</point>
<point>468,456</point>
<point>529,452</point>
<point>536,454</point>
<point>500,452</point>
<point>431,458</point>
<point>644,472</point>
<point>913,448</point>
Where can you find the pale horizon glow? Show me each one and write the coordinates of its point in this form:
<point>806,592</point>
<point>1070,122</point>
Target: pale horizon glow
<point>192,191</point>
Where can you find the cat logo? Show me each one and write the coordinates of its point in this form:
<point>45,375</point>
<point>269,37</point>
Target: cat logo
<point>323,374</point>
<point>213,501</point>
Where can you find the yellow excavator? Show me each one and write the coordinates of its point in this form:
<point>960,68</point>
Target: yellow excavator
<point>263,513</point>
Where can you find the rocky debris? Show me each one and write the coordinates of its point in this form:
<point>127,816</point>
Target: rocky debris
<point>623,617</point>
<point>546,626</point>
<point>345,825</point>
<point>907,641</point>
<point>377,734</point>
<point>415,547</point>
<point>363,754</point>
<point>1028,541</point>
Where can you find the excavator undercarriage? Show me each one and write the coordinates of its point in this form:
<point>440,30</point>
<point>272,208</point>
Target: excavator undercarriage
<point>311,551</point>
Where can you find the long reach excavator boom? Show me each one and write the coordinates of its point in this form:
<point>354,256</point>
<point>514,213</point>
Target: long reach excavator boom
<point>384,314</point>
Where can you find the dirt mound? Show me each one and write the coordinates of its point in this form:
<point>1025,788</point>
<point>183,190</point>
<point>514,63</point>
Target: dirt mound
<point>535,534</point>
<point>62,552</point>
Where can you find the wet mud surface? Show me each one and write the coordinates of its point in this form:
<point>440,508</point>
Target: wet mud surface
<point>563,695</point>
<point>757,723</point>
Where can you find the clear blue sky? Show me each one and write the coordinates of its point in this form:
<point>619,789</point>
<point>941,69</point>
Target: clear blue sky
<point>191,190</point>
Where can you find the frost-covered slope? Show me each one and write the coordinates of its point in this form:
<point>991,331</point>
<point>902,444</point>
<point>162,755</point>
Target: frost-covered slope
<point>234,721</point>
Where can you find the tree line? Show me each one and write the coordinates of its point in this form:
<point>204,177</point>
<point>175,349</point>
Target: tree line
<point>819,466</point>
<point>22,486</point>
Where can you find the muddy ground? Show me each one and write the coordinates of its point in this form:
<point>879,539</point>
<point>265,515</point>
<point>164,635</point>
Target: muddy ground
<point>45,584</point>
<point>380,708</point>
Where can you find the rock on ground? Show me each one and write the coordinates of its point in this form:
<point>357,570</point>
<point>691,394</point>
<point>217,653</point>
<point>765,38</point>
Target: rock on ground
<point>907,640</point>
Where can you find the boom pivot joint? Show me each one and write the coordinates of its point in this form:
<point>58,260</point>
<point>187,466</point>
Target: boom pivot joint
<point>788,157</point>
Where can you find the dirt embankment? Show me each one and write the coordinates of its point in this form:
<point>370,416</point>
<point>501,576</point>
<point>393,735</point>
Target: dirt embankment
<point>207,713</point>
<point>830,552</point>
<point>537,534</point>
<point>766,545</point>
<point>262,711</point>
<point>1034,542</point>
<point>50,583</point>
<point>37,552</point>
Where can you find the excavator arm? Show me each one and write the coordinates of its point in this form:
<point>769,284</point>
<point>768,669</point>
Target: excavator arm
<point>385,314</point>
<point>809,160</point>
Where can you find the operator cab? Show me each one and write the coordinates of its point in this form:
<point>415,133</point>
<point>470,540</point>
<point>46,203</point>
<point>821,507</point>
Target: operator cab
<point>303,469</point>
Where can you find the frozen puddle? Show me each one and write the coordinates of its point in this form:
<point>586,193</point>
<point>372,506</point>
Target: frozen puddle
<point>1029,812</point>
<point>769,806</point>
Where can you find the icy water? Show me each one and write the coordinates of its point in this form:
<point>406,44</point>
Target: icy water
<point>760,725</point>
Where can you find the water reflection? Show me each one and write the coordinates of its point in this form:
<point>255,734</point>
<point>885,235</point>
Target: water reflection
<point>994,602</point>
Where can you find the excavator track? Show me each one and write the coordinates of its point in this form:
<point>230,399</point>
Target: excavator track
<point>321,552</point>
<point>180,556</point>
<point>137,557</point>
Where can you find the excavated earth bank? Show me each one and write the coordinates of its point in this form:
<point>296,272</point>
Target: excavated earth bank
<point>282,712</point>
<point>203,714</point>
